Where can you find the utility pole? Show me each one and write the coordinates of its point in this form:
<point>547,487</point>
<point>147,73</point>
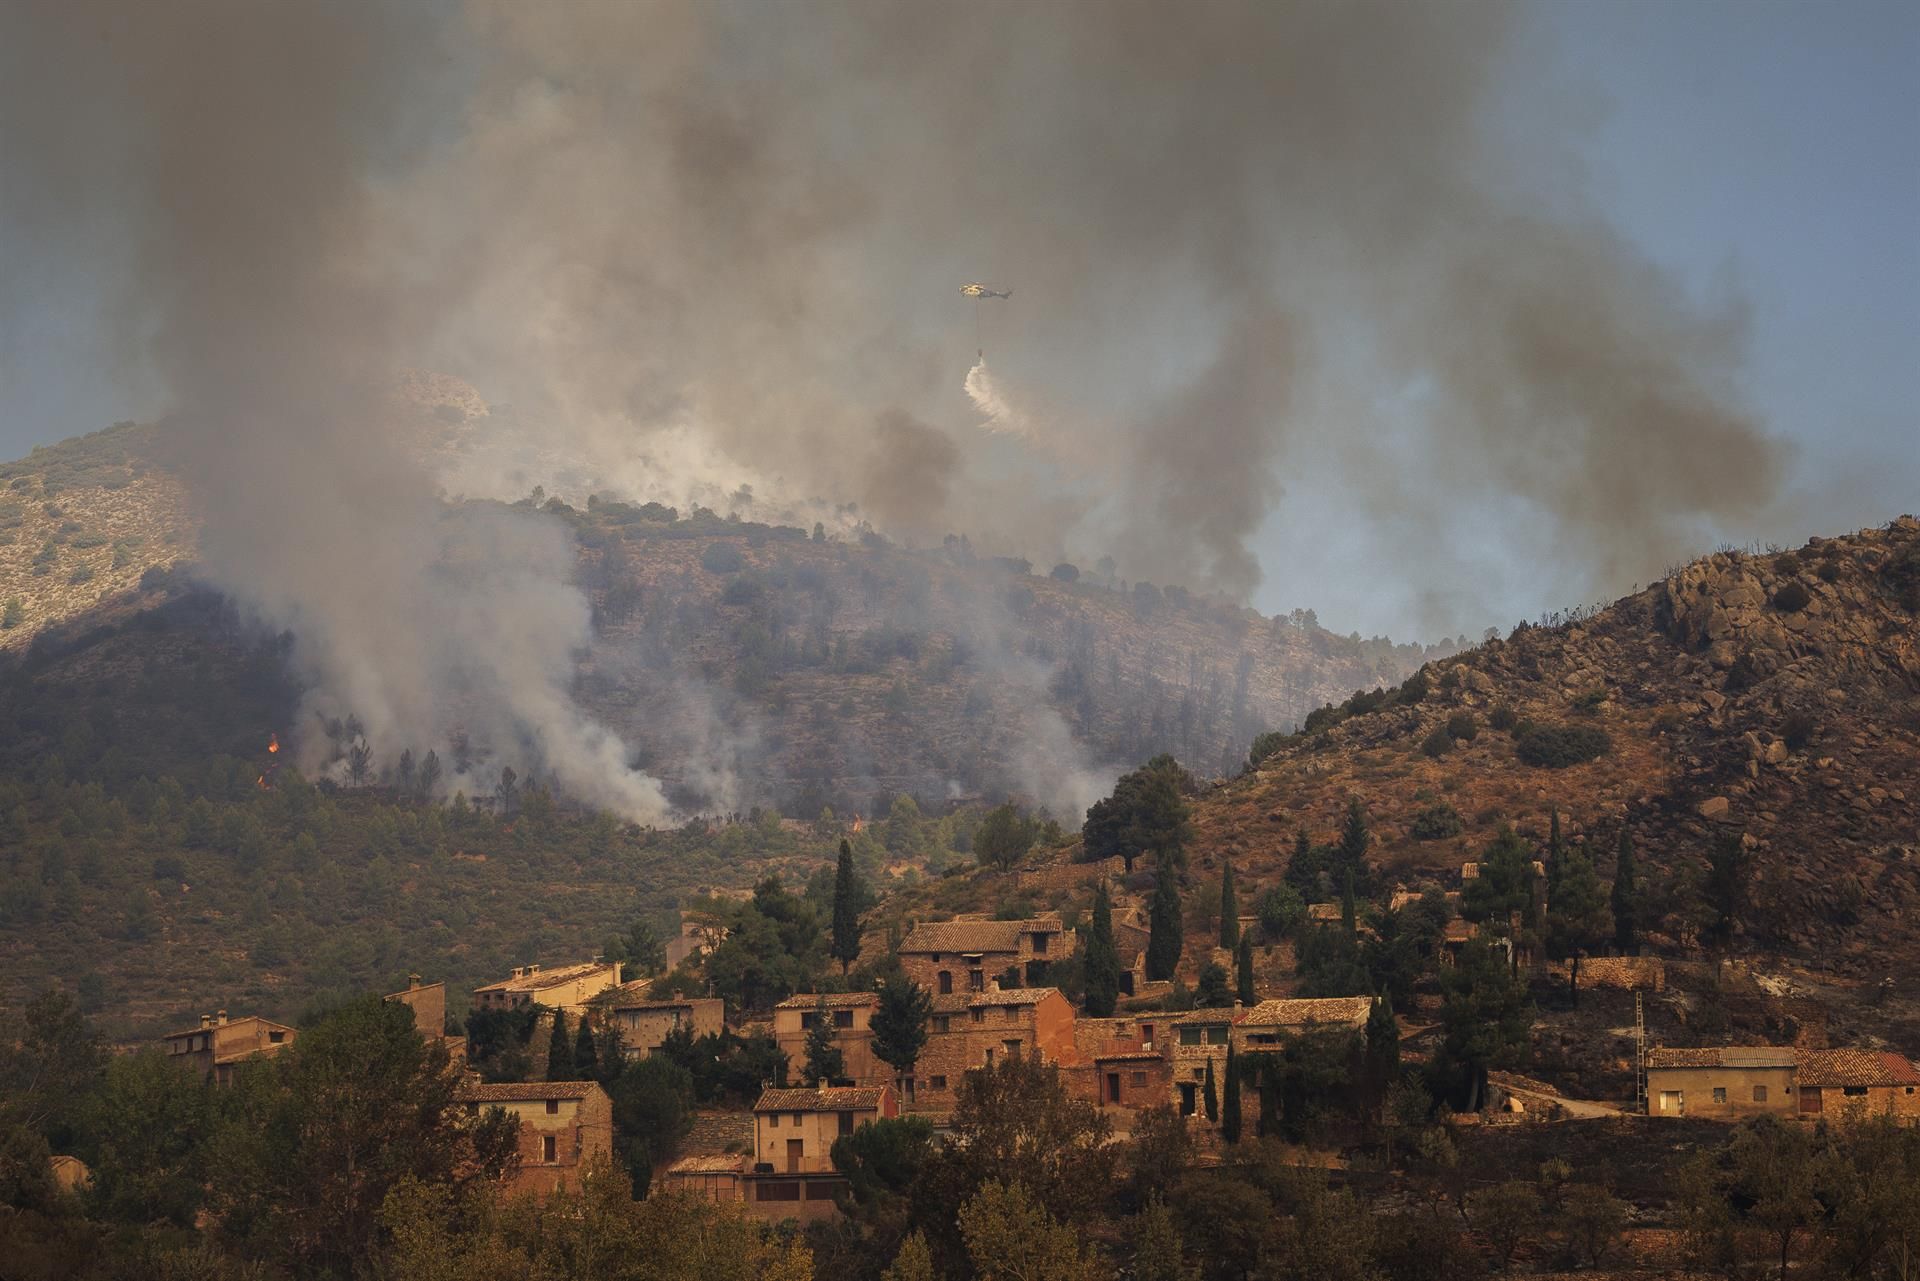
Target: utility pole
<point>1639,1053</point>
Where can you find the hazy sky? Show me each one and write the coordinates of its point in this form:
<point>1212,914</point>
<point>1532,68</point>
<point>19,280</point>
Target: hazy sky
<point>1761,151</point>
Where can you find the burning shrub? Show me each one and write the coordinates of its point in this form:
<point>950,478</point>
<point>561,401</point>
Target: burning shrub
<point>1558,746</point>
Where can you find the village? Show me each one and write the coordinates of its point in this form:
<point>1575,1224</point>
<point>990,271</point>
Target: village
<point>978,996</point>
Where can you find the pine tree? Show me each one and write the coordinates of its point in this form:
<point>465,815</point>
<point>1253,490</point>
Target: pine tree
<point>1626,924</point>
<point>1101,964</point>
<point>900,1023</point>
<point>1230,1122</point>
<point>846,911</point>
<point>1209,1099</point>
<point>1157,1252</point>
<point>1229,911</point>
<point>1349,906</point>
<point>586,1055</point>
<point>1243,971</point>
<point>1383,1044</point>
<point>560,1050</point>
<point>1165,932</point>
<point>825,1061</point>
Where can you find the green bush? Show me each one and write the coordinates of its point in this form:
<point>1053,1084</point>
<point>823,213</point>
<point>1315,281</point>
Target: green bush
<point>722,558</point>
<point>1464,726</point>
<point>1786,563</point>
<point>14,613</point>
<point>1414,688</point>
<point>80,574</point>
<point>1791,598</point>
<point>1264,746</point>
<point>1437,823</point>
<point>1590,701</point>
<point>1558,746</point>
<point>1798,730</point>
<point>1503,717</point>
<point>1437,744</point>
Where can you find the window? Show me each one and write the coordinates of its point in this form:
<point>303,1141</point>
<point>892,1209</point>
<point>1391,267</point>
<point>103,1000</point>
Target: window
<point>1013,1048</point>
<point>794,1121</point>
<point>1719,1094</point>
<point>553,1107</point>
<point>1013,1014</point>
<point>942,1023</point>
<point>1217,1034</point>
<point>1187,1095</point>
<point>1189,1036</point>
<point>976,980</point>
<point>906,1087</point>
<point>946,982</point>
<point>1139,1081</point>
<point>549,1148</point>
<point>937,1083</point>
<point>789,1191</point>
<point>773,1122</point>
<point>1759,1094</point>
<point>809,1020</point>
<point>820,1191</point>
<point>846,1123</point>
<point>936,958</point>
<point>1854,1091</point>
<point>276,1038</point>
<point>1146,1033</point>
<point>843,1018</point>
<point>1039,945</point>
<point>978,1014</point>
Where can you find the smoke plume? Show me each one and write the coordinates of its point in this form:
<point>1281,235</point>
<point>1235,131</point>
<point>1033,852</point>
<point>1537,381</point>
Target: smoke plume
<point>710,248</point>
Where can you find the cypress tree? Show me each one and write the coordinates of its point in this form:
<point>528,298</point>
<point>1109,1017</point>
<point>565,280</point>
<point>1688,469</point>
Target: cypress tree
<point>846,912</point>
<point>1102,962</point>
<point>1354,839</point>
<point>1209,1098</point>
<point>560,1050</point>
<point>1230,1123</point>
<point>586,1056</point>
<point>1349,906</point>
<point>1383,1043</point>
<point>1229,911</point>
<point>825,1061</point>
<point>1626,928</point>
<point>1243,971</point>
<point>1165,932</point>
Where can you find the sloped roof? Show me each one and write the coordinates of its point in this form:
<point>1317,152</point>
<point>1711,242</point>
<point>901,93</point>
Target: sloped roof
<point>1722,1056</point>
<point>832,1000</point>
<point>541,980</point>
<point>839,1098</point>
<point>669,1003</point>
<point>1299,1013</point>
<point>528,1091</point>
<point>708,1165</point>
<point>1013,996</point>
<point>242,1021</point>
<point>1856,1068</point>
<point>1130,1056</point>
<point>968,936</point>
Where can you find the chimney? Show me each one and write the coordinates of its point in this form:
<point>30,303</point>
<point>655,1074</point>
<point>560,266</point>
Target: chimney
<point>822,1086</point>
<point>222,1016</point>
<point>532,970</point>
<point>993,985</point>
<point>519,971</point>
<point>206,1020</point>
<point>413,982</point>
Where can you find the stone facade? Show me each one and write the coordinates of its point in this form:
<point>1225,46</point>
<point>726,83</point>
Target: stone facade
<point>568,987</point>
<point>851,1014</point>
<point>1727,1083</point>
<point>1836,1080</point>
<point>793,1176</point>
<point>564,1127</point>
<point>644,1025</point>
<point>428,1001</point>
<point>951,958</point>
<point>221,1044</point>
<point>968,1032</point>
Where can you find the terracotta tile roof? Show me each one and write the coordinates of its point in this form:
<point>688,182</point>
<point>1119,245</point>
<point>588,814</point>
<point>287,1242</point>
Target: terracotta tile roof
<point>541,980</point>
<point>962,937</point>
<point>230,1023</point>
<point>708,1165</point>
<point>832,1000</point>
<point>1207,1014</point>
<point>1324,912</point>
<point>1855,1067</point>
<point>950,1003</point>
<point>681,1003</point>
<point>528,1091</point>
<point>1129,1056</point>
<point>1012,996</point>
<point>1299,1013</point>
<point>1715,1056</point>
<point>718,1134</point>
<point>840,1098</point>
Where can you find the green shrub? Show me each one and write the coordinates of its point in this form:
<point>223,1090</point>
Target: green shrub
<point>1264,746</point>
<point>1829,570</point>
<point>1557,746</point>
<point>1437,823</point>
<point>14,613</point>
<point>1669,721</point>
<point>1464,726</point>
<point>1590,701</point>
<point>722,558</point>
<point>1786,563</point>
<point>1503,717</point>
<point>1438,743</point>
<point>1798,729</point>
<point>1414,688</point>
<point>80,574</point>
<point>1791,598</point>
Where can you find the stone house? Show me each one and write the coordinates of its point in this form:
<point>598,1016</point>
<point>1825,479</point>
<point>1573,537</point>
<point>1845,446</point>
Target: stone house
<point>1267,1026</point>
<point>428,1001</point>
<point>699,934</point>
<point>1728,1082</point>
<point>1833,1080</point>
<point>644,1024</point>
<point>1195,1039</point>
<point>953,957</point>
<point>219,1044</point>
<point>851,1016</point>
<point>1121,1063</point>
<point>567,987</point>
<point>968,1032</point>
<point>793,1136</point>
<point>564,1127</point>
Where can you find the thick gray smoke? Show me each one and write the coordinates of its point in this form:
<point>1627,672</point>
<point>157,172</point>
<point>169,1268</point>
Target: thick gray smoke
<point>701,244</point>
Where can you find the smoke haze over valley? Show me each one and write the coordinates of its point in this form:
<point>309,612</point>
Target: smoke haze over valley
<point>1276,267</point>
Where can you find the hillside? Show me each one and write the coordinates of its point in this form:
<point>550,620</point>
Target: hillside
<point>751,664</point>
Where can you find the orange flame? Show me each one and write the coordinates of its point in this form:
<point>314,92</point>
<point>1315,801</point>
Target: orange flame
<point>857,824</point>
<point>261,782</point>
<point>273,742</point>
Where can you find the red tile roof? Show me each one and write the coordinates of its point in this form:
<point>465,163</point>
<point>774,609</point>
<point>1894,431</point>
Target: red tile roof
<point>832,1000</point>
<point>1299,1013</point>
<point>839,1098</point>
<point>1722,1056</point>
<point>1856,1068</point>
<point>528,1091</point>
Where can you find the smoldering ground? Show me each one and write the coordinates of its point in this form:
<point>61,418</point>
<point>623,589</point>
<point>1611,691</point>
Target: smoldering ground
<point>726,237</point>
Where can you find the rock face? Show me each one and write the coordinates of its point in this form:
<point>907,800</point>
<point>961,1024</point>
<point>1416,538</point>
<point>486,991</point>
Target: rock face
<point>1774,696</point>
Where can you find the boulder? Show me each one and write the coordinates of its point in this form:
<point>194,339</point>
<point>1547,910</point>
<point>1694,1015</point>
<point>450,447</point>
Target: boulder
<point>1714,808</point>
